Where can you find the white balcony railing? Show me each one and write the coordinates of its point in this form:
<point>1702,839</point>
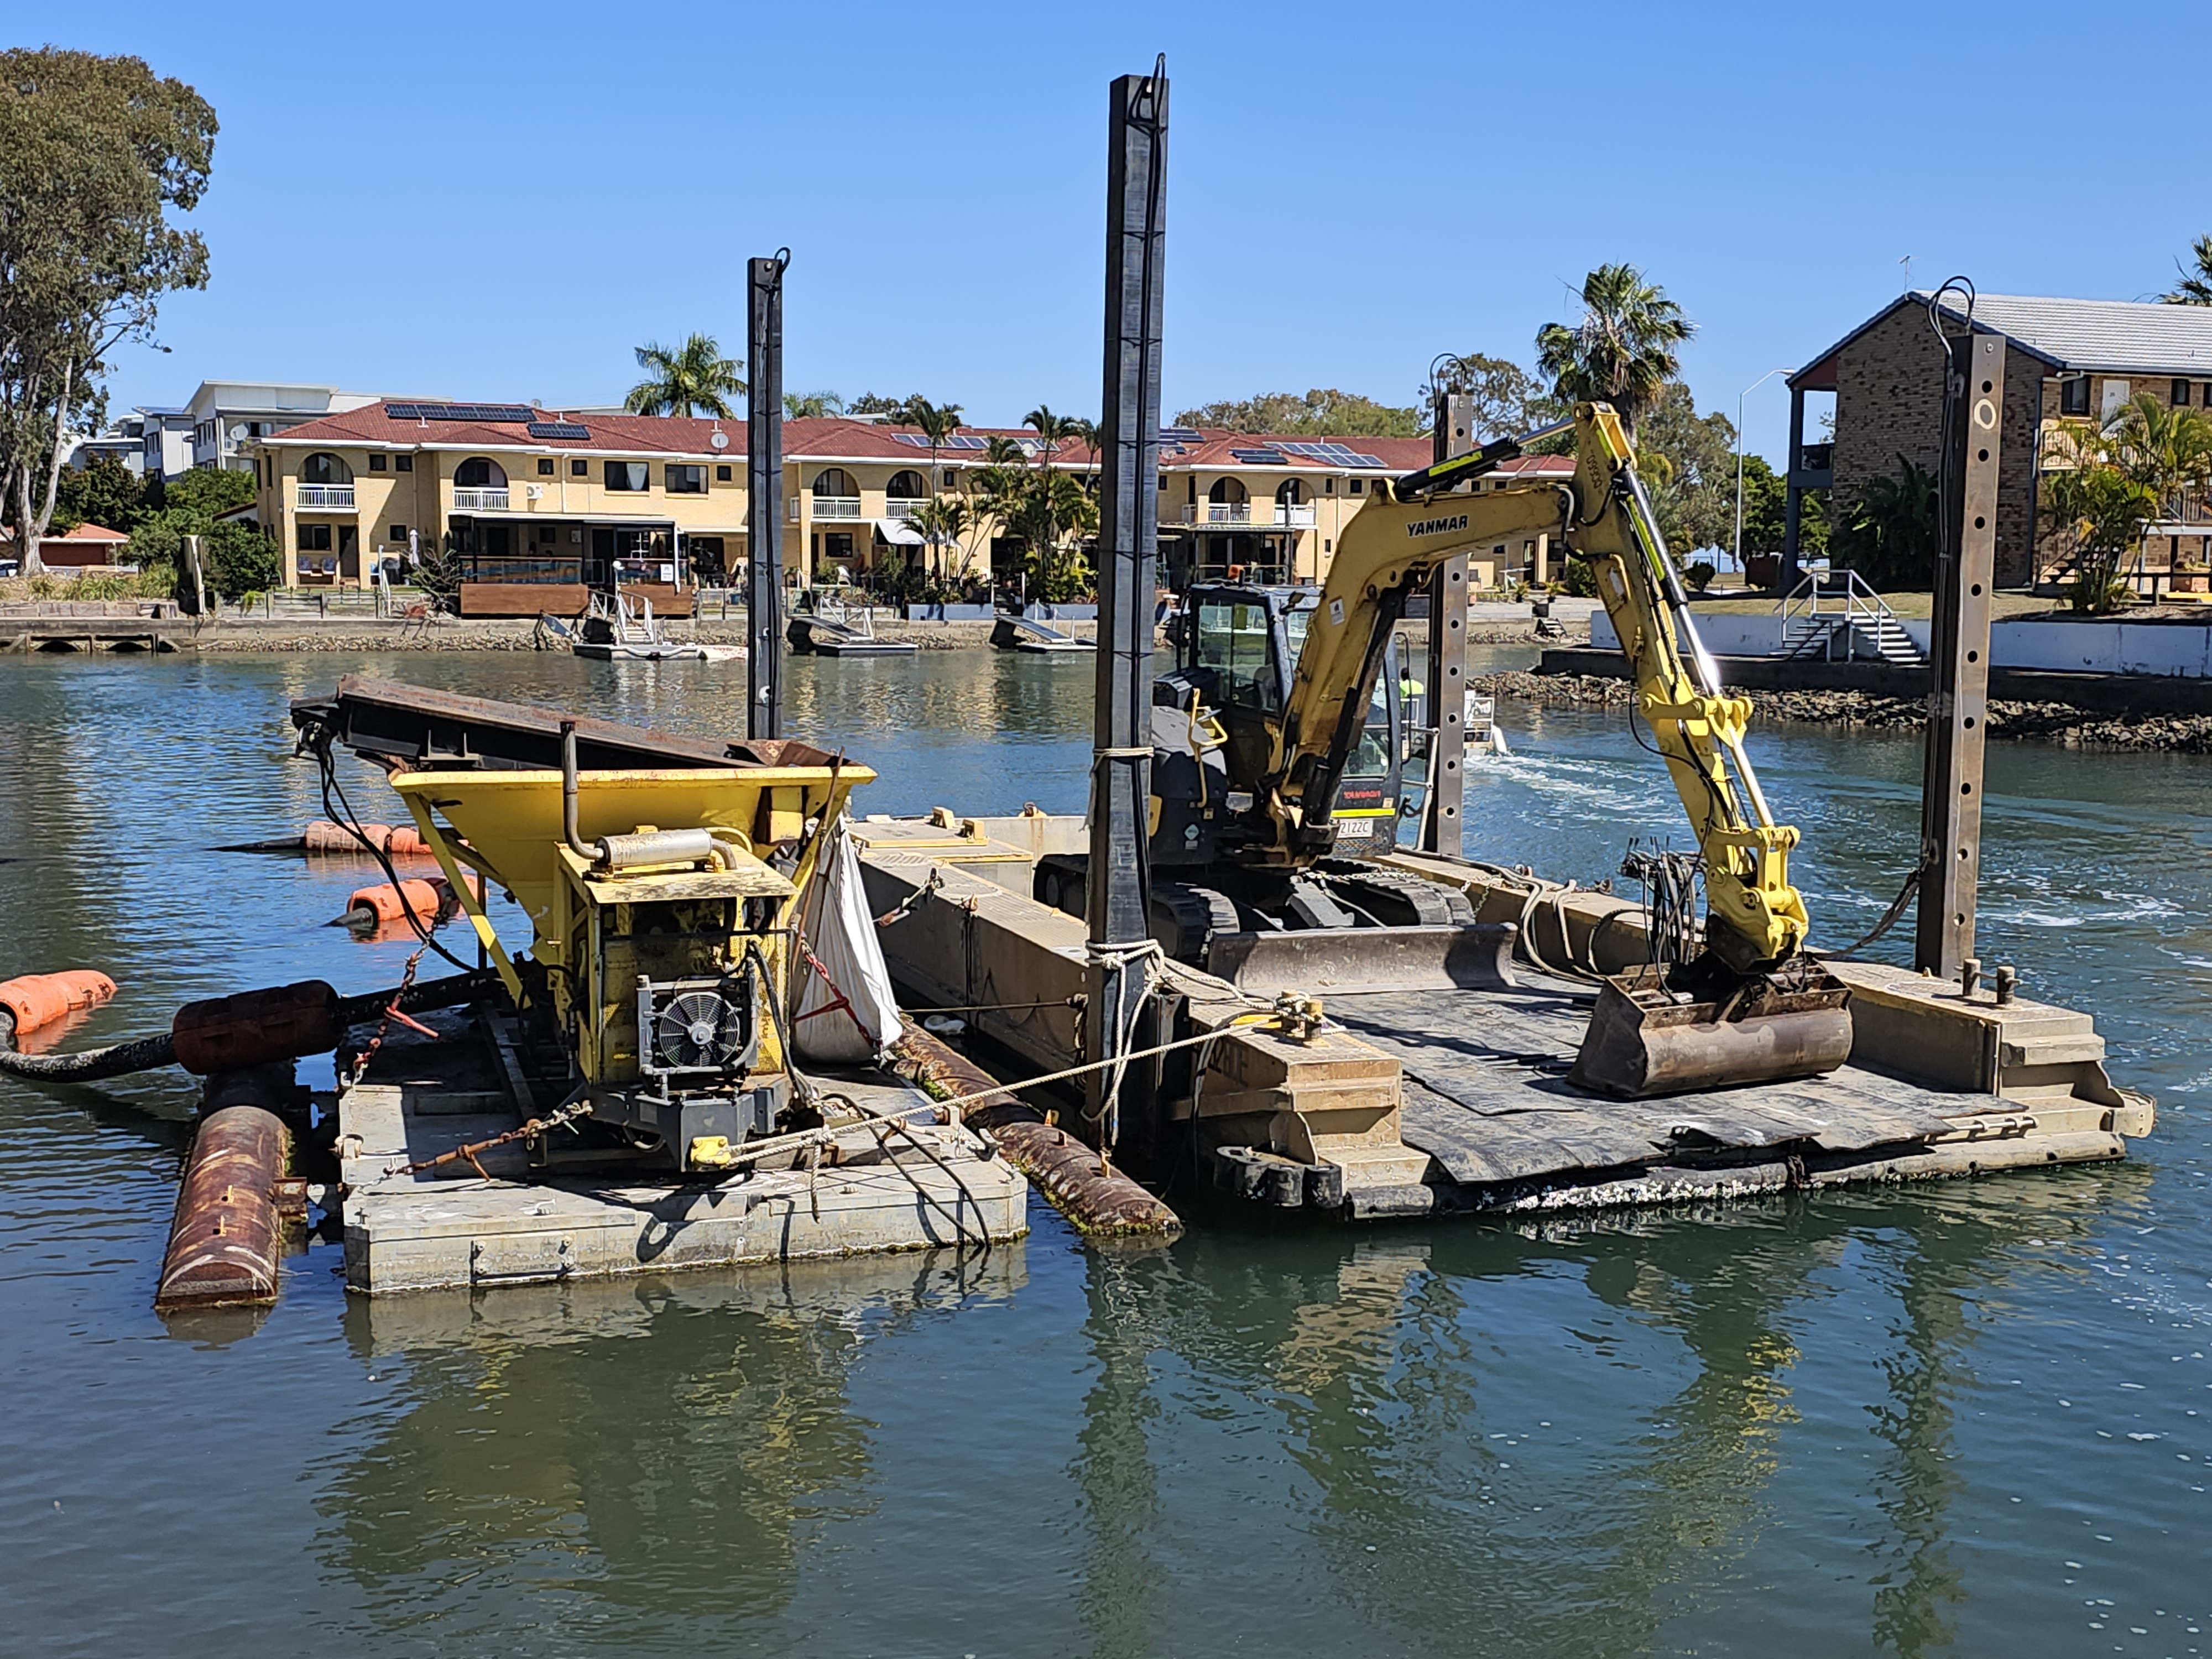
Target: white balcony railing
<point>1243,515</point>
<point>326,498</point>
<point>899,509</point>
<point>836,506</point>
<point>480,501</point>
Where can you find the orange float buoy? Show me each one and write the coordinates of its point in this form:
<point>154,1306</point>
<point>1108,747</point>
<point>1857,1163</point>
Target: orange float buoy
<point>386,904</point>
<point>36,999</point>
<point>406,842</point>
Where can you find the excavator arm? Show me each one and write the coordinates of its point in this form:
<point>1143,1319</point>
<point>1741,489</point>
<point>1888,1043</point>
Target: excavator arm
<point>1756,919</point>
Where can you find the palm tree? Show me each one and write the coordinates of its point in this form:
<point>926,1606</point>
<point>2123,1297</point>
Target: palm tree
<point>2167,451</point>
<point>812,405</point>
<point>693,377</point>
<point>2195,287</point>
<point>1050,428</point>
<point>1623,351</point>
<point>937,423</point>
<point>943,522</point>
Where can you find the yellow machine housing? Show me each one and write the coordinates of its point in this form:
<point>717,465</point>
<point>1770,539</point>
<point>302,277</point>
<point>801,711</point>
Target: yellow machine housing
<point>659,955</point>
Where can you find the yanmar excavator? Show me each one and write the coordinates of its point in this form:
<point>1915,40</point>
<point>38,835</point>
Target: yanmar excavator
<point>1250,755</point>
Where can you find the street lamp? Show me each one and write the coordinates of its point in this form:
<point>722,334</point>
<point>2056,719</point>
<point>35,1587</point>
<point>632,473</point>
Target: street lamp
<point>1740,396</point>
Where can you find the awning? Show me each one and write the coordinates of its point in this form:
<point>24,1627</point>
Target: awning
<point>899,531</point>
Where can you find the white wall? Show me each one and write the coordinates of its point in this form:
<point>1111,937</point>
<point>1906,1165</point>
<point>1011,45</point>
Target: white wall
<point>2094,648</point>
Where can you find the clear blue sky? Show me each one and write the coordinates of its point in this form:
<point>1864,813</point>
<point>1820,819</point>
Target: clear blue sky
<point>499,203</point>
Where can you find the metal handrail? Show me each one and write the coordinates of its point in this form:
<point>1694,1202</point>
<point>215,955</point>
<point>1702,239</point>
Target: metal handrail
<point>1858,606</point>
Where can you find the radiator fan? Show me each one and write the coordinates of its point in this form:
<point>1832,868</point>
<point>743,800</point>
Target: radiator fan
<point>700,1030</point>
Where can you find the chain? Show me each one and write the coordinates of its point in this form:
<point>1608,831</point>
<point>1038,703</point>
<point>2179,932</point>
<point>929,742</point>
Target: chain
<point>384,1026</point>
<point>536,1126</point>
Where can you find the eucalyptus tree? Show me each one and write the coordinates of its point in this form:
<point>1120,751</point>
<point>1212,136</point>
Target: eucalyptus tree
<point>94,152</point>
<point>1625,349</point>
<point>686,379</point>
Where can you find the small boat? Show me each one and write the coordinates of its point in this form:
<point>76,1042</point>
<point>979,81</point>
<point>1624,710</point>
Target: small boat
<point>616,630</point>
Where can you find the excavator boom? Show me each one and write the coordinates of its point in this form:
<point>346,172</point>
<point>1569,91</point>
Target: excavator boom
<point>1753,1007</point>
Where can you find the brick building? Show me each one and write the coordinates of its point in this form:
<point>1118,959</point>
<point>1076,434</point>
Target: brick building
<point>2081,359</point>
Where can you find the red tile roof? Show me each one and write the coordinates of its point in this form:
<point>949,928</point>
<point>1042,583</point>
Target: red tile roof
<point>815,438</point>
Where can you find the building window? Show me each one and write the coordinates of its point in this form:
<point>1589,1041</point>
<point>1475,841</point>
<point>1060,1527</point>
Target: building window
<point>683,479</point>
<point>721,475</point>
<point>1357,484</point>
<point>2180,397</point>
<point>323,469</point>
<point>399,533</point>
<point>479,473</point>
<point>2074,395</point>
<point>545,467</point>
<point>627,474</point>
<point>580,469</point>
<point>376,463</point>
<point>314,538</point>
<point>834,483</point>
<point>403,463</point>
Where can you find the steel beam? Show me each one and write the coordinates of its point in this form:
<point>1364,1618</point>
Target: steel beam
<point>1959,677</point>
<point>1118,895</point>
<point>1441,823</point>
<point>764,505</point>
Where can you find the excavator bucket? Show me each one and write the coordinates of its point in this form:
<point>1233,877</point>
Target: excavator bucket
<point>1350,961</point>
<point>1656,1031</point>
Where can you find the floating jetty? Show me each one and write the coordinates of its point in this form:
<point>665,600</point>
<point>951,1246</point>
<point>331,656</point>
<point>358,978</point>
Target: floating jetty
<point>1455,1098</point>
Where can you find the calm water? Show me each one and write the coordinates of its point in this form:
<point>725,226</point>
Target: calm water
<point>1970,1419</point>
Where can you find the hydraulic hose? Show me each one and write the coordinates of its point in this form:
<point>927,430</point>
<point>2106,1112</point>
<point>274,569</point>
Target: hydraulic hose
<point>93,1064</point>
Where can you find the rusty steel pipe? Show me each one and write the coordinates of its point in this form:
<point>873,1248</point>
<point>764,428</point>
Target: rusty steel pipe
<point>224,1242</point>
<point>1098,1199</point>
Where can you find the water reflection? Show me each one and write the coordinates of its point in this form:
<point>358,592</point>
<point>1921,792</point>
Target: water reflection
<point>663,1447</point>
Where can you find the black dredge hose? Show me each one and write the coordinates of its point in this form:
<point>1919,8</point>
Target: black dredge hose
<point>93,1064</point>
<point>152,1053</point>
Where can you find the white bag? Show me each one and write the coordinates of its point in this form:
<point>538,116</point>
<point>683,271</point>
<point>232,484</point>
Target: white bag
<point>842,933</point>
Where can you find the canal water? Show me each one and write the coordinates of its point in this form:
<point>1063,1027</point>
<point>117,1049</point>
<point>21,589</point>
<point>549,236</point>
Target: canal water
<point>1968,1418</point>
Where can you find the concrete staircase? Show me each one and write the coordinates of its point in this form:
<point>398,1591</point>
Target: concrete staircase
<point>1814,625</point>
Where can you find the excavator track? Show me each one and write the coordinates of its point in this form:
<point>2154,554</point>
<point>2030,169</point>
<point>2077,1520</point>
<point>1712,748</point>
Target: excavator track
<point>1396,899</point>
<point>1186,919</point>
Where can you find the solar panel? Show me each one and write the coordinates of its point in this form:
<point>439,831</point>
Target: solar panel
<point>1312,452</point>
<point>1182,434</point>
<point>913,438</point>
<point>1367,460</point>
<point>559,430</point>
<point>962,440</point>
<point>459,412</point>
<point>1258,456</point>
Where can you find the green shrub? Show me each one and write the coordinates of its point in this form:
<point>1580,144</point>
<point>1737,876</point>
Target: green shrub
<point>240,560</point>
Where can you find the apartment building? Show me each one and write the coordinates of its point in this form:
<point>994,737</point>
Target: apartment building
<point>226,418</point>
<point>541,505</point>
<point>2065,360</point>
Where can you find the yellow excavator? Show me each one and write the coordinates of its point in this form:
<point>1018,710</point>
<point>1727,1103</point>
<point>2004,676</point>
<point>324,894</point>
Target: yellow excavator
<point>1248,760</point>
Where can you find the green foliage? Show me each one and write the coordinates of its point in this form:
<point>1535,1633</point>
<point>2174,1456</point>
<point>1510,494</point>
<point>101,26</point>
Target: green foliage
<point>1623,352</point>
<point>812,405</point>
<point>2123,477</point>
<point>686,379</point>
<point>1893,532</point>
<point>1045,507</point>
<point>1508,399</point>
<point>1688,461</point>
<point>874,402</point>
<point>1766,512</point>
<point>1319,414</point>
<point>240,560</point>
<point>103,491</point>
<point>94,153</point>
<point>2195,287</point>
<point>205,491</point>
